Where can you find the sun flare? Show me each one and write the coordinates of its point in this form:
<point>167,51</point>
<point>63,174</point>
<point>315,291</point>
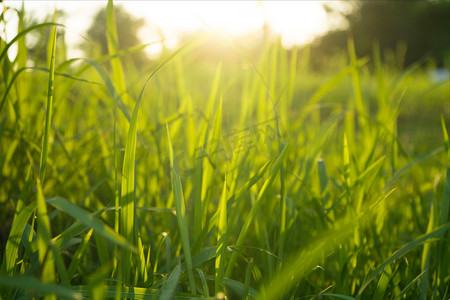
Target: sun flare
<point>297,22</point>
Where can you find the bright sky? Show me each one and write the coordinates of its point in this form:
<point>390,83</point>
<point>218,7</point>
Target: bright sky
<point>298,22</point>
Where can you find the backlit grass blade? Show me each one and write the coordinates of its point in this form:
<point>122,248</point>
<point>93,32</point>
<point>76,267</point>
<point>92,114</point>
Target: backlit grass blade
<point>243,190</point>
<point>255,208</point>
<point>127,213</point>
<point>90,221</point>
<point>443,244</point>
<point>48,119</point>
<point>127,201</point>
<point>36,287</point>
<point>426,255</point>
<point>221,241</point>
<point>446,140</point>
<point>22,52</point>
<point>24,32</point>
<point>110,87</point>
<point>210,166</point>
<point>181,213</point>
<point>113,48</point>
<point>46,258</point>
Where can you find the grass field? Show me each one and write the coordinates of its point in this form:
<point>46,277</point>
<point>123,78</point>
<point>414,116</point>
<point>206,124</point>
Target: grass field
<point>247,177</point>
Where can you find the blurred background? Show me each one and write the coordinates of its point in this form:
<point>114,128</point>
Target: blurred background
<point>406,31</point>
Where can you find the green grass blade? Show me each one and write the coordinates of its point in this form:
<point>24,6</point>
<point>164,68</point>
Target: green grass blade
<point>169,288</point>
<point>383,283</point>
<point>446,141</point>
<point>200,258</point>
<point>38,287</point>
<point>113,49</point>
<point>79,255</point>
<point>127,201</point>
<point>135,293</point>
<point>15,235</point>
<point>46,258</point>
<point>221,241</point>
<point>110,87</point>
<point>400,295</point>
<point>43,225</point>
<point>204,283</point>
<point>405,249</point>
<point>181,212</point>
<point>210,167</point>
<point>426,255</point>
<point>359,104</point>
<point>421,158</point>
<point>333,82</point>
<point>24,32</point>
<point>248,276</point>
<point>90,221</point>
<point>48,119</point>
<point>301,263</point>
<point>19,71</point>
<point>255,208</point>
<point>62,240</point>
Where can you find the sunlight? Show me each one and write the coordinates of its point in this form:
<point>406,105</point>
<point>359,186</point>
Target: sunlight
<point>297,22</point>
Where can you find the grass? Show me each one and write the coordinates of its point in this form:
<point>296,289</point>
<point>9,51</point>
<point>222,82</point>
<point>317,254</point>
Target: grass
<point>245,176</point>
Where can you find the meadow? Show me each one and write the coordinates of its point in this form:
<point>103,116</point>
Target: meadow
<point>237,175</point>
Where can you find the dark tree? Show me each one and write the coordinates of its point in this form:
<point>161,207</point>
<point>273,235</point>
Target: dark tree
<point>127,29</point>
<point>423,26</point>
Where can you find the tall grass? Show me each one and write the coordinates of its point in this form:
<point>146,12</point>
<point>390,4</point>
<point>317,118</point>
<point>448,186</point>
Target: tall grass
<point>240,176</point>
